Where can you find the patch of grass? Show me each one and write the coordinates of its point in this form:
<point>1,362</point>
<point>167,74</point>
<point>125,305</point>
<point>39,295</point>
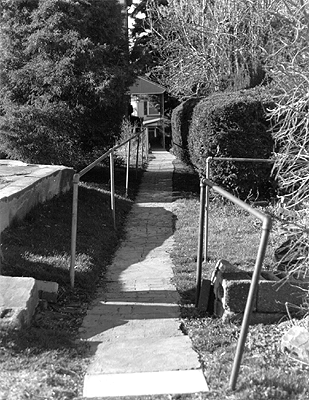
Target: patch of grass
<point>45,361</point>
<point>234,235</point>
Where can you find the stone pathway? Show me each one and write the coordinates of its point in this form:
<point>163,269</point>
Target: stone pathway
<point>133,326</point>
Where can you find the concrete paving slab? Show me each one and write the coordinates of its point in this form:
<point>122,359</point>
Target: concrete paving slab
<point>133,327</point>
<point>148,354</point>
<point>145,383</point>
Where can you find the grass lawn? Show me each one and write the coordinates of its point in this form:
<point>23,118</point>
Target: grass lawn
<point>46,362</point>
<point>234,235</point>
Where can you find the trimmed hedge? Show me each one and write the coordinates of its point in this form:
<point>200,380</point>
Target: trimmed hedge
<point>234,125</point>
<point>180,122</point>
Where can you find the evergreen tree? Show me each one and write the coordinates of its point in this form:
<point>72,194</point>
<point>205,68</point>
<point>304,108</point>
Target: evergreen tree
<point>144,53</point>
<point>64,74</point>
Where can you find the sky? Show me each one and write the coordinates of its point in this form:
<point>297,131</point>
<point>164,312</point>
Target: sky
<point>139,15</point>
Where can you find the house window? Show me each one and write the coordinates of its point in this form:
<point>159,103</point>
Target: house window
<point>153,109</point>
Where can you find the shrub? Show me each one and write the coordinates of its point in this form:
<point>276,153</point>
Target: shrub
<point>64,75</point>
<point>180,122</point>
<point>234,124</point>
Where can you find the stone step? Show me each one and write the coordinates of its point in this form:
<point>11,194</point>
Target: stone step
<point>19,297</point>
<point>144,383</point>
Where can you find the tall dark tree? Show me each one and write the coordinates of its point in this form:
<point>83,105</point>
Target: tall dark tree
<point>64,74</point>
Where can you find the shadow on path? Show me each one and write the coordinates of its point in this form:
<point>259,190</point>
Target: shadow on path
<point>138,283</point>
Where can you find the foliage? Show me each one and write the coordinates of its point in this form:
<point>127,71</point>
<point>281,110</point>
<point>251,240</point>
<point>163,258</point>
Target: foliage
<point>233,125</point>
<point>287,63</point>
<point>209,45</point>
<point>180,122</point>
<point>63,78</point>
<point>144,54</point>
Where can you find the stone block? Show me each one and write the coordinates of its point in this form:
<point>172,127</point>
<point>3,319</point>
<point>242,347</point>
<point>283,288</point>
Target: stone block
<point>270,276</point>
<point>272,296</point>
<point>235,295</point>
<point>237,275</point>
<point>47,290</point>
<point>256,318</point>
<point>218,308</point>
<point>18,300</point>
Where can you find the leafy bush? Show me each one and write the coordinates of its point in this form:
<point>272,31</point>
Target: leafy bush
<point>180,122</point>
<point>64,75</point>
<point>234,124</point>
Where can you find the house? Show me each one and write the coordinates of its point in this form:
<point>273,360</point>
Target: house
<point>147,101</point>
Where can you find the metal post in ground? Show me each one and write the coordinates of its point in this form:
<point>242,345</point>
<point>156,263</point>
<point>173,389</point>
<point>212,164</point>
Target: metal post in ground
<point>112,178</point>
<point>249,305</point>
<point>200,242</point>
<point>137,151</point>
<point>1,256</point>
<point>128,167</point>
<point>142,147</point>
<point>74,229</point>
<point>266,227</point>
<point>147,145</point>
<point>207,212</point>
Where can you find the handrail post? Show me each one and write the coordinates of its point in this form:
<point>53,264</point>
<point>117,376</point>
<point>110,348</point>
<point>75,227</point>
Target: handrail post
<point>266,227</point>
<point>74,229</point>
<point>1,256</point>
<point>137,151</point>
<point>128,167</point>
<point>207,212</point>
<point>200,242</point>
<point>147,145</point>
<point>249,305</point>
<point>112,185</point>
<point>76,179</point>
<point>142,146</point>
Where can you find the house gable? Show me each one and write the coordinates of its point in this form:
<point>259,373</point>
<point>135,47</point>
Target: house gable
<point>144,86</point>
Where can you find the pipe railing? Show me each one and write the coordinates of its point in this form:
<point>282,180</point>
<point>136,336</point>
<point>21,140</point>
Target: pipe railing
<point>220,159</point>
<point>76,179</point>
<point>266,227</point>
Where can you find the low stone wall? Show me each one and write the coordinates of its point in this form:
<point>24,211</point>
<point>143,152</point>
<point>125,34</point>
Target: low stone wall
<point>231,290</point>
<point>22,186</point>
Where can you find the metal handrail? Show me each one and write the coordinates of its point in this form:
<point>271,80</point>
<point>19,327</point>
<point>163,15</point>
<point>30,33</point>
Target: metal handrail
<point>76,180</point>
<point>204,215</point>
<point>208,160</point>
<point>266,227</point>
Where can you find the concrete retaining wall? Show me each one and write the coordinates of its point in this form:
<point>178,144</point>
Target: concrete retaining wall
<point>22,186</point>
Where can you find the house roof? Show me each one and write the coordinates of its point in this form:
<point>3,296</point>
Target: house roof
<point>145,86</point>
